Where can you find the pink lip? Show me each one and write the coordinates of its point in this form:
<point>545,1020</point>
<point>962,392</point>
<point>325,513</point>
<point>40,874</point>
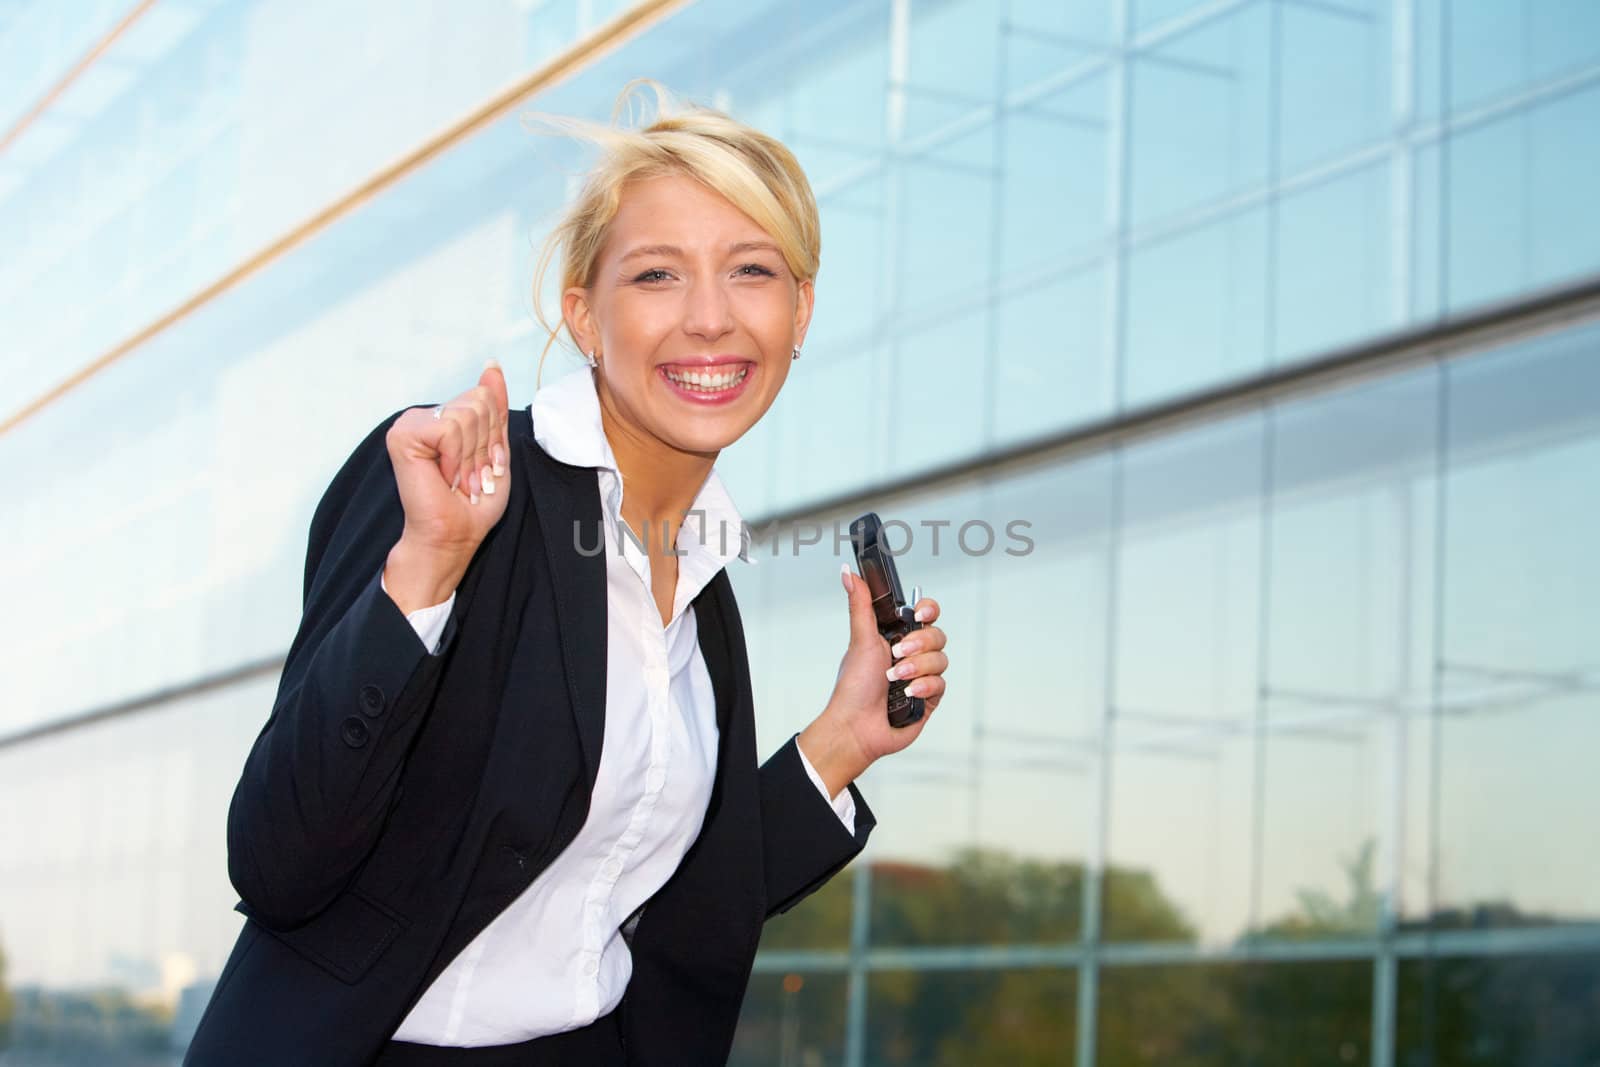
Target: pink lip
<point>727,396</point>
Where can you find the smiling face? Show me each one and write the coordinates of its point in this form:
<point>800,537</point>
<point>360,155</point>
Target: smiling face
<point>693,312</point>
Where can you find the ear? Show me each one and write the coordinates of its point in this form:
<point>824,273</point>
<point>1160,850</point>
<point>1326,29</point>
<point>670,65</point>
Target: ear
<point>805,294</point>
<point>579,316</point>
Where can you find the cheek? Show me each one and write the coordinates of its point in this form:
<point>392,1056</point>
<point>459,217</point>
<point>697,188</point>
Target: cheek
<point>638,319</point>
<point>771,318</point>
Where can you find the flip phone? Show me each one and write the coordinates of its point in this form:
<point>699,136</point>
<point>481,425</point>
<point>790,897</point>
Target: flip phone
<point>894,615</point>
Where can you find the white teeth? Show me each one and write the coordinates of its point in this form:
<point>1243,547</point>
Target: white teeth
<point>703,381</point>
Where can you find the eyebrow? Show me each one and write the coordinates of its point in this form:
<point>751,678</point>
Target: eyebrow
<point>674,250</point>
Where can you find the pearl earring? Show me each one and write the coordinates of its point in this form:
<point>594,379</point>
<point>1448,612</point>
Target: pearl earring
<point>592,361</point>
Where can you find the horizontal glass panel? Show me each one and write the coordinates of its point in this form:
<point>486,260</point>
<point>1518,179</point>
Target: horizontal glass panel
<point>1221,1015</point>
<point>1510,1011</point>
<point>962,1017</point>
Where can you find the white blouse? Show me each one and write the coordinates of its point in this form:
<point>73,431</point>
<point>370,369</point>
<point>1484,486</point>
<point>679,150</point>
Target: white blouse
<point>556,958</point>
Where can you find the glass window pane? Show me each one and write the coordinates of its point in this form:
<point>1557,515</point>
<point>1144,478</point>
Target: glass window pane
<point>1222,1015</point>
<point>1196,309</point>
<point>1054,199</point>
<point>969,1017</point>
<point>1178,829</point>
<point>793,1017</point>
<point>1199,115</point>
<point>1336,89</point>
<point>1510,1011</point>
<point>1518,216</point>
<point>1519,718</point>
<point>1053,366</point>
<point>1335,278</point>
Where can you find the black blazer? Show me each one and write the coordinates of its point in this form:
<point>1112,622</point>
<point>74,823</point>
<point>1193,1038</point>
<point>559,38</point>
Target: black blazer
<point>395,802</point>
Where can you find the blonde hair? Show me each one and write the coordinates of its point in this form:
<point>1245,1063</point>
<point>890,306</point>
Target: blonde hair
<point>754,171</point>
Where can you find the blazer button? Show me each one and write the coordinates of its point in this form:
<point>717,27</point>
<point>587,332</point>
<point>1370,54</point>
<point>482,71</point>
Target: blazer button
<point>354,732</point>
<point>372,700</point>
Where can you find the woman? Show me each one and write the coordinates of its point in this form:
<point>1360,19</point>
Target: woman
<point>507,808</point>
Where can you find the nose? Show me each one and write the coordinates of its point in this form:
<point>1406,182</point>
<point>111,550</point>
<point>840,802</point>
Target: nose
<point>707,313</point>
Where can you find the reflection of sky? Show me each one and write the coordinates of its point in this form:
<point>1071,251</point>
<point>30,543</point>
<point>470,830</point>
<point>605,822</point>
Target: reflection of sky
<point>970,286</point>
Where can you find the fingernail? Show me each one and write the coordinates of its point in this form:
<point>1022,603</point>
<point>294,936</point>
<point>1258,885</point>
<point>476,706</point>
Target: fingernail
<point>917,689</point>
<point>499,453</point>
<point>457,481</point>
<point>844,576</point>
<point>899,670</point>
<point>488,482</point>
<point>922,615</point>
<point>899,650</point>
<point>491,362</point>
<point>475,498</point>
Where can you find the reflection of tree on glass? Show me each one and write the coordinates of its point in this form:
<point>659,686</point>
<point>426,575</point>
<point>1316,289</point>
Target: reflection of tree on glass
<point>5,1003</point>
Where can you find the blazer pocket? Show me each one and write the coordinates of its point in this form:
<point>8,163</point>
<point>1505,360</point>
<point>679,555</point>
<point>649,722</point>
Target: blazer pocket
<point>346,938</point>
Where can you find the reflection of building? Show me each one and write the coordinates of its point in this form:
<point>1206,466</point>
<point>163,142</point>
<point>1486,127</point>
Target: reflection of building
<point>1279,321</point>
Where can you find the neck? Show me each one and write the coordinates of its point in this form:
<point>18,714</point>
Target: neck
<point>659,483</point>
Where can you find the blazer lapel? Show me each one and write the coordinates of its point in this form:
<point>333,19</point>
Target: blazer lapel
<point>567,501</point>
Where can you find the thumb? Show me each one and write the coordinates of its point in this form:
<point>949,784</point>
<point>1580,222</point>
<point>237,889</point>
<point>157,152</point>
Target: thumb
<point>863,627</point>
<point>494,380</point>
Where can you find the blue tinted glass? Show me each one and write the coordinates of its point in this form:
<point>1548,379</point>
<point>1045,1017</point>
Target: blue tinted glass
<point>939,388</point>
<point>1053,364</point>
<point>1196,308</point>
<point>1336,94</point>
<point>1518,214</point>
<point>1053,196</point>
<point>1336,264</point>
<point>1200,115</point>
<point>1517,671</point>
<point>1500,48</point>
<point>937,92</point>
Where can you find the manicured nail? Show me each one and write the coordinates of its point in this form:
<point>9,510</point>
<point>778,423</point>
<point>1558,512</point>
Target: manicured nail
<point>900,670</point>
<point>499,453</point>
<point>899,650</point>
<point>491,362</point>
<point>844,576</point>
<point>488,482</point>
<point>917,689</point>
<point>475,498</point>
<point>923,615</point>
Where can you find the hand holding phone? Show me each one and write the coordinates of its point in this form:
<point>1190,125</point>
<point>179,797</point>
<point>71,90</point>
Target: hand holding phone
<point>894,615</point>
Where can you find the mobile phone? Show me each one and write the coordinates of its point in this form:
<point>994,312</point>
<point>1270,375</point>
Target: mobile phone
<point>894,615</point>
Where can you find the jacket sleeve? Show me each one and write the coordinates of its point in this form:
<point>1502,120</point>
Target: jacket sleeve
<point>320,779</point>
<point>804,842</point>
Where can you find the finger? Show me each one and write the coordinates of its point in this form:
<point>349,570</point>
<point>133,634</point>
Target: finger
<point>920,666</point>
<point>452,447</point>
<point>495,420</point>
<point>460,435</point>
<point>486,433</point>
<point>493,379</point>
<point>863,630</point>
<point>493,382</point>
<point>926,610</point>
<point>930,689</point>
<point>924,640</point>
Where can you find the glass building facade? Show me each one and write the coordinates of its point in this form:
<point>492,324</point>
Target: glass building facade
<point>1243,359</point>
